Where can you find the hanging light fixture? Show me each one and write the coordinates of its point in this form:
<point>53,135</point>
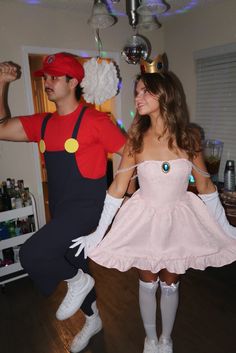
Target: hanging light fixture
<point>157,7</point>
<point>148,23</point>
<point>142,15</point>
<point>101,17</point>
<point>131,12</point>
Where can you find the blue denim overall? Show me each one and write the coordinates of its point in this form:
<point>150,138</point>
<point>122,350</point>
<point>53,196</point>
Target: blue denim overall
<point>75,204</point>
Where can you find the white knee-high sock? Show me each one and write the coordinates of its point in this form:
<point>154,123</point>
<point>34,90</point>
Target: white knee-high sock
<point>168,305</point>
<point>148,305</point>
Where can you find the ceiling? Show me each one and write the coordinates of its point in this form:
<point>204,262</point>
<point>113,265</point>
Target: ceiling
<point>84,7</point>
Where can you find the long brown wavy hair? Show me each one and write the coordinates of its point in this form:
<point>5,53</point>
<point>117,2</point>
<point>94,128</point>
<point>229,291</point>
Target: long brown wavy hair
<point>173,108</point>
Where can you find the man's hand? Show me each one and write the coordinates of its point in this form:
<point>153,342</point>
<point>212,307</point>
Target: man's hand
<point>9,72</point>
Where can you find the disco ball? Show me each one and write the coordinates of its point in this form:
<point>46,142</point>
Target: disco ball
<point>135,49</point>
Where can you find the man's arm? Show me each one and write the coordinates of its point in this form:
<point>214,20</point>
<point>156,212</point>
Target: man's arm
<point>11,129</point>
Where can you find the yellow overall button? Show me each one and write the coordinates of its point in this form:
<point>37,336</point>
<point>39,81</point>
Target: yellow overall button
<point>42,146</point>
<point>71,145</point>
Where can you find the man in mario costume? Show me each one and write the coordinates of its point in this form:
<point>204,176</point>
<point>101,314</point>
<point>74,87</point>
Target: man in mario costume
<point>75,141</point>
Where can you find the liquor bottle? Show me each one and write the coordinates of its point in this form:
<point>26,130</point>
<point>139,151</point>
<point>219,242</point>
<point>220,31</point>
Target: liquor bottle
<point>6,198</point>
<point>1,201</point>
<point>16,250</point>
<point>11,193</point>
<point>11,228</point>
<point>229,176</point>
<point>18,199</point>
<point>20,184</point>
<point>31,222</point>
<point>18,229</point>
<point>12,181</point>
<point>25,226</point>
<point>27,200</point>
<point>4,233</point>
<point>8,256</point>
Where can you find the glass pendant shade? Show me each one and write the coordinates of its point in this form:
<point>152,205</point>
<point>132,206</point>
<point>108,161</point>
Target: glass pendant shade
<point>155,6</point>
<point>148,23</point>
<point>100,18</point>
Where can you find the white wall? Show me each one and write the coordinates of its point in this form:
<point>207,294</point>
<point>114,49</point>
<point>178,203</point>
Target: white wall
<point>202,28</point>
<point>25,25</point>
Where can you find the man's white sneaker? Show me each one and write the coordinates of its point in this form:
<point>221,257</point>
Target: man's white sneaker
<point>150,346</point>
<point>93,325</point>
<point>78,288</point>
<point>165,345</point>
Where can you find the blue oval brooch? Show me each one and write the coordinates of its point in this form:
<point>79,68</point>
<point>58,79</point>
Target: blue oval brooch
<point>165,167</point>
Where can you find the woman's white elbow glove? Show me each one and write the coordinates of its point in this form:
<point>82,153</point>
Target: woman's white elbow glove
<point>111,206</point>
<point>215,207</point>
<point>88,242</point>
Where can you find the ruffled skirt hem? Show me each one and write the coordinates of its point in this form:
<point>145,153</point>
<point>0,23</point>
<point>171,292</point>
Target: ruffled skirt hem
<point>178,266</point>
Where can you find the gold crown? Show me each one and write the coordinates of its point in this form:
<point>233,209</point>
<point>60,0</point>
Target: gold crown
<point>154,66</point>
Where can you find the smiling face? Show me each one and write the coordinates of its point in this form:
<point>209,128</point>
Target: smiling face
<point>146,102</point>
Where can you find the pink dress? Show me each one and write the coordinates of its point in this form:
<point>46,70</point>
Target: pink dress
<point>164,226</point>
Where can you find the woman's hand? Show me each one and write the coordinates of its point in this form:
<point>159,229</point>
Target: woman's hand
<point>87,243</point>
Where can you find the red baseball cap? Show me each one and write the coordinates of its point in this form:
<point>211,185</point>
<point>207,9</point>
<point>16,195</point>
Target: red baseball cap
<point>61,64</point>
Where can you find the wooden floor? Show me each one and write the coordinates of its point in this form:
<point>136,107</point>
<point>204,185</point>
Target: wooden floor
<point>206,319</point>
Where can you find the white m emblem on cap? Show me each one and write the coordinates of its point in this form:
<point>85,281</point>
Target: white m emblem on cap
<point>50,59</point>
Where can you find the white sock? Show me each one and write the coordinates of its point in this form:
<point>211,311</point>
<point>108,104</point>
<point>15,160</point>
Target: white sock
<point>168,304</point>
<point>148,305</point>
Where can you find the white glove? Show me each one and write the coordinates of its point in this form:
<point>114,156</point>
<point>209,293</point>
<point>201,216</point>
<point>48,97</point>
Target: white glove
<point>88,242</point>
<point>215,207</point>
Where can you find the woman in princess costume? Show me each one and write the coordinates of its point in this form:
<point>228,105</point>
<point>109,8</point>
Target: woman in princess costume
<point>163,229</point>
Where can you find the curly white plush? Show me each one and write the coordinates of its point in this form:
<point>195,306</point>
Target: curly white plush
<point>100,81</point>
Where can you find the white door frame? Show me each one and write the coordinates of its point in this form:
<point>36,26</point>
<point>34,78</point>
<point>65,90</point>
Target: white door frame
<point>26,50</point>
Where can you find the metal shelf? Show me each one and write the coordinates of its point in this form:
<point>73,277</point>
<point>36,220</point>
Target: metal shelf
<point>12,271</point>
<point>17,213</point>
<point>14,241</point>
